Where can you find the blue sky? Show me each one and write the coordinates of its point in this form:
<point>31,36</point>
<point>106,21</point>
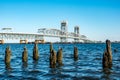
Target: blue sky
<point>98,19</point>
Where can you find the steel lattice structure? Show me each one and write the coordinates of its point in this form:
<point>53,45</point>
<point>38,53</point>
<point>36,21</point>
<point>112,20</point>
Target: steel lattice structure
<point>44,32</point>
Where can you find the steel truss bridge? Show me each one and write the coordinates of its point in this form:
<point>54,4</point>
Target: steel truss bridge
<point>44,32</point>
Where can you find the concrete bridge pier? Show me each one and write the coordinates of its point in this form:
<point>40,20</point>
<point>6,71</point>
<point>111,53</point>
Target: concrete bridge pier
<point>24,41</point>
<point>1,41</point>
<point>64,31</point>
<point>39,41</point>
<point>63,39</point>
<point>77,34</point>
<point>76,40</point>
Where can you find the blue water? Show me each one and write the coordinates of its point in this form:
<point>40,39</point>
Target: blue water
<point>88,67</point>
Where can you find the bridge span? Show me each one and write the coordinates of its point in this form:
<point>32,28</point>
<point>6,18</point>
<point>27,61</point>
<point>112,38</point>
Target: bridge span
<point>63,34</point>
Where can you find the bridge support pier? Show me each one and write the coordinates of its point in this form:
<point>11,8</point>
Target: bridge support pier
<point>63,39</point>
<point>76,40</point>
<point>1,41</point>
<point>39,41</point>
<point>23,41</point>
<point>64,31</point>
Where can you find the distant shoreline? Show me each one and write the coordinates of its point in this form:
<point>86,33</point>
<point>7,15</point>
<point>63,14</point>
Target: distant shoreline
<point>63,43</point>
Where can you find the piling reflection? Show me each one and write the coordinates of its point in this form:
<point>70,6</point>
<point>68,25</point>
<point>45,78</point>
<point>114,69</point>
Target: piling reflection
<point>55,73</point>
<point>35,63</point>
<point>8,66</point>
<point>106,74</point>
<point>24,65</point>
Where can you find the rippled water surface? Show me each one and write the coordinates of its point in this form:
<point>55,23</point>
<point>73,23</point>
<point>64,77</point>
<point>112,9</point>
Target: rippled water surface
<point>88,67</point>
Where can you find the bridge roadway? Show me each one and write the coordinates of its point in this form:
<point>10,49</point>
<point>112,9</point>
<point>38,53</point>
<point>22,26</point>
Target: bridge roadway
<point>40,35</point>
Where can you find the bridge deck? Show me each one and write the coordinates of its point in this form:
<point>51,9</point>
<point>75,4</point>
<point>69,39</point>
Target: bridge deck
<point>41,34</point>
<point>15,35</point>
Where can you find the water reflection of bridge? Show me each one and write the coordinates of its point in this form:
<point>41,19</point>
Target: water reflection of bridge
<point>63,34</point>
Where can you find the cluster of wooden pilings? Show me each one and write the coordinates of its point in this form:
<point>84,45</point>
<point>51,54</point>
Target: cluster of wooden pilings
<point>56,59</point>
<point>24,55</point>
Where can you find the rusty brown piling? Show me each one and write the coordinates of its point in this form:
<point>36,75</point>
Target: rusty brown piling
<point>51,47</point>
<point>35,52</point>
<point>7,66</point>
<point>25,55</point>
<point>53,59</point>
<point>107,56</point>
<point>75,53</point>
<point>7,55</point>
<point>59,57</point>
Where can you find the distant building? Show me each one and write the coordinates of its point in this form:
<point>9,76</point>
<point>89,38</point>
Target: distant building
<point>6,29</point>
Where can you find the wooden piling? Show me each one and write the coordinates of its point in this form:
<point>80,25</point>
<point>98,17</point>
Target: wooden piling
<point>25,55</point>
<point>24,65</point>
<point>7,55</point>
<point>75,53</point>
<point>53,59</point>
<point>7,66</point>
<point>59,57</point>
<point>35,53</point>
<point>107,56</point>
<point>51,47</point>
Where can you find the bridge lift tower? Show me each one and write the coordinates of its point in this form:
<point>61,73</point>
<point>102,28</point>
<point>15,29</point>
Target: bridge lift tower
<point>77,33</point>
<point>64,31</point>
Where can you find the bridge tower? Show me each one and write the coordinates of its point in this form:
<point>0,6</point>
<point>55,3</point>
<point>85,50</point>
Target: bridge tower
<point>64,31</point>
<point>77,34</point>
